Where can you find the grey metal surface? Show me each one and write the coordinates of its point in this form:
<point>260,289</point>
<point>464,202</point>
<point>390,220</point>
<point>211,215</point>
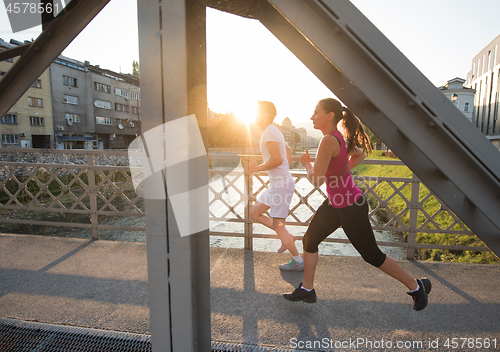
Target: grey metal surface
<point>397,102</point>
<point>173,85</point>
<point>24,336</point>
<point>21,336</point>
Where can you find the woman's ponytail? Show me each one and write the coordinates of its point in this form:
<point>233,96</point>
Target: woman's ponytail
<point>354,133</point>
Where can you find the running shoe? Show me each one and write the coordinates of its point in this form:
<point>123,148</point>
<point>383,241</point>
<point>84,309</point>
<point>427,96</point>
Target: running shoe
<point>420,298</point>
<point>292,265</point>
<point>301,295</point>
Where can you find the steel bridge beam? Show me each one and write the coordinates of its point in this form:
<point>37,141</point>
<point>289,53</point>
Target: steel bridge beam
<point>397,102</point>
<point>172,45</point>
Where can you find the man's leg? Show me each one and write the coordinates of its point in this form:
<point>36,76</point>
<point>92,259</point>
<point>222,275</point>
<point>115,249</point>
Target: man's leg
<point>286,238</point>
<point>257,213</point>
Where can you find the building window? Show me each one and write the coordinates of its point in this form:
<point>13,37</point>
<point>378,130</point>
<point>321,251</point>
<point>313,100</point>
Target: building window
<point>69,81</point>
<point>466,106</point>
<point>103,120</point>
<point>121,92</point>
<point>102,87</point>
<point>9,118</point>
<point>36,121</point>
<point>122,107</point>
<point>135,110</point>
<point>70,99</point>
<point>102,104</point>
<point>135,96</point>
<point>36,102</point>
<point>37,84</point>
<point>10,139</point>
<point>72,118</point>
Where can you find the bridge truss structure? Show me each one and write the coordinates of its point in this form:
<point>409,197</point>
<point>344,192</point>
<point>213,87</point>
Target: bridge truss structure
<point>346,52</point>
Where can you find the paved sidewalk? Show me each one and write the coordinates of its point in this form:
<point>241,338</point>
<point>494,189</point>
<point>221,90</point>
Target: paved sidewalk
<point>103,284</point>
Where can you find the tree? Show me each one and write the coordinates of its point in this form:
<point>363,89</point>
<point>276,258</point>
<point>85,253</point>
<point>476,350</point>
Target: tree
<point>135,68</point>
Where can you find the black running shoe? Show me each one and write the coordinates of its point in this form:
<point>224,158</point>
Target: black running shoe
<point>301,295</point>
<point>420,297</point>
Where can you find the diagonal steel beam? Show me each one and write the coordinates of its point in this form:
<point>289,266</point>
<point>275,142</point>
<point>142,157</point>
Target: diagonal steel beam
<point>13,52</point>
<point>46,48</point>
<point>347,53</point>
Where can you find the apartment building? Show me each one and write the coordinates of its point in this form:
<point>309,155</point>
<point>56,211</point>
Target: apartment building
<point>28,123</point>
<point>484,79</point>
<point>73,121</point>
<point>462,97</point>
<point>116,107</point>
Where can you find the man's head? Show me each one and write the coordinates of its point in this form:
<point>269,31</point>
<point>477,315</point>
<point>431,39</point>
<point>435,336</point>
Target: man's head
<point>266,112</point>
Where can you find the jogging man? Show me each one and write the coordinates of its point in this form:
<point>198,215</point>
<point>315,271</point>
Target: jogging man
<point>277,155</point>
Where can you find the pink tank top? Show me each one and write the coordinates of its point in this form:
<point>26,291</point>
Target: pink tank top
<point>340,187</point>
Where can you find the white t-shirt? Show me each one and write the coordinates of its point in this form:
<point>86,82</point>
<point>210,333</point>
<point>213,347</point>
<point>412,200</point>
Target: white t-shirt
<point>273,134</point>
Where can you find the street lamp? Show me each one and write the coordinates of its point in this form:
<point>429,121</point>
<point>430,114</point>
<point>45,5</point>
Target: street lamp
<point>454,97</point>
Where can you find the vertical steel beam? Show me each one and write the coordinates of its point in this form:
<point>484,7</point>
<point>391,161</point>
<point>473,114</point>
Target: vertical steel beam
<point>173,85</point>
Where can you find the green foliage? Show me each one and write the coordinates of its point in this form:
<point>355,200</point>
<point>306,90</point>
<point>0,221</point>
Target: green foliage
<point>135,68</point>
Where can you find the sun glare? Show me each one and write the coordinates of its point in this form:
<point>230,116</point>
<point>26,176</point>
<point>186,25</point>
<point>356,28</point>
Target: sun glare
<point>245,112</point>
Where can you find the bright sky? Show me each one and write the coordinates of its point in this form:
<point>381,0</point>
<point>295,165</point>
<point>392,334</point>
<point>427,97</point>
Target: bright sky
<point>246,63</point>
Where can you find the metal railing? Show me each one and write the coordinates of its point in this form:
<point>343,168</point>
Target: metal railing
<point>85,183</point>
<point>98,184</point>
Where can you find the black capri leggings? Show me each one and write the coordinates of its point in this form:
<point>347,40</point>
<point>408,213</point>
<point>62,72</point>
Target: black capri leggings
<point>356,224</point>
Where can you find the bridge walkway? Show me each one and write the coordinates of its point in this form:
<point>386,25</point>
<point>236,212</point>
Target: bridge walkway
<point>103,285</point>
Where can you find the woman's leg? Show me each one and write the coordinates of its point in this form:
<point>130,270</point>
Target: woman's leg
<point>392,268</point>
<point>324,222</point>
<point>310,262</point>
<point>357,227</point>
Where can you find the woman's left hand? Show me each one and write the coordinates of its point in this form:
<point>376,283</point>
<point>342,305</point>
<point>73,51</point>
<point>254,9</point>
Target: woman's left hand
<point>305,158</point>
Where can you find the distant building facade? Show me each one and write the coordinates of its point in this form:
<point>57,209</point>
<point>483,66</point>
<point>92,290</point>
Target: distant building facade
<point>461,96</point>
<point>73,105</point>
<point>484,79</point>
<point>94,108</point>
<point>296,137</point>
<point>115,107</point>
<point>28,123</point>
<point>71,97</point>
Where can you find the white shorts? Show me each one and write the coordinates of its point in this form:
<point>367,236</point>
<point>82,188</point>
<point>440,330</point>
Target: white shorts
<point>278,196</point>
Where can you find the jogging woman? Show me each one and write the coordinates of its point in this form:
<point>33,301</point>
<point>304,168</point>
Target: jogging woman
<point>346,204</point>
